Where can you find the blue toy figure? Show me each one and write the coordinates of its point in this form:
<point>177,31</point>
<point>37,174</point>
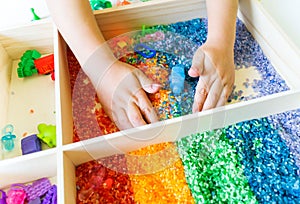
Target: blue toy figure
<point>8,143</point>
<point>144,50</point>
<point>177,79</point>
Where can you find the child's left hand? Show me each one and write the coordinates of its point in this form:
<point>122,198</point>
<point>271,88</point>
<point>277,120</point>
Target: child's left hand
<point>215,67</point>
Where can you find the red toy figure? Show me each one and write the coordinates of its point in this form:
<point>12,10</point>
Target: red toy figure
<point>45,65</point>
<point>122,2</point>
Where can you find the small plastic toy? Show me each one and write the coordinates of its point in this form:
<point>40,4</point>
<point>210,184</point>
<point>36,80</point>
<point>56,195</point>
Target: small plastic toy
<point>146,30</point>
<point>100,4</point>
<point>40,191</point>
<point>38,188</point>
<point>2,197</point>
<point>8,143</point>
<point>144,50</point>
<point>30,144</point>
<point>16,194</point>
<point>32,63</point>
<point>45,65</point>
<point>122,2</point>
<point>47,134</point>
<point>177,79</point>
<point>51,196</point>
<point>35,17</point>
<point>26,65</point>
<point>53,76</point>
<point>35,201</point>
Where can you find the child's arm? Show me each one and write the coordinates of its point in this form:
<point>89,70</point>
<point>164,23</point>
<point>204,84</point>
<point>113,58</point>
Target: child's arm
<point>120,87</point>
<point>77,25</point>
<point>213,61</point>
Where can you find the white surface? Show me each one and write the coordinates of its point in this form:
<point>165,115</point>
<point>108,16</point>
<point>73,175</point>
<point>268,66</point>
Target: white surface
<point>286,14</point>
<point>17,12</point>
<point>28,168</point>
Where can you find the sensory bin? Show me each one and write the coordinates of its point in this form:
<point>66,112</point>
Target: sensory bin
<point>255,161</point>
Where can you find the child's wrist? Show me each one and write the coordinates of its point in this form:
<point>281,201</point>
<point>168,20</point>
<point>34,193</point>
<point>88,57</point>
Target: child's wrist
<point>99,62</point>
<point>221,40</point>
<point>221,48</point>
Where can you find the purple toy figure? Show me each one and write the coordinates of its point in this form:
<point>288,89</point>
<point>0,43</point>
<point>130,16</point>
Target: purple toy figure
<point>51,196</point>
<point>35,201</point>
<point>2,197</point>
<point>30,144</point>
<point>37,189</point>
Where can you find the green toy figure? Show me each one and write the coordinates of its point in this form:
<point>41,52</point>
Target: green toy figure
<point>47,134</point>
<point>35,17</point>
<point>26,65</point>
<point>100,4</point>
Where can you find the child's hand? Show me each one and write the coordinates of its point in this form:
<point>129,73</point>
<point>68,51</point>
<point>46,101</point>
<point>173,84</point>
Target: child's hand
<point>121,91</point>
<point>215,68</point>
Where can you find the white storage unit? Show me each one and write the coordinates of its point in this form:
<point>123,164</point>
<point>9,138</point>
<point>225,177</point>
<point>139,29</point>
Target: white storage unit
<point>51,101</point>
<point>25,103</point>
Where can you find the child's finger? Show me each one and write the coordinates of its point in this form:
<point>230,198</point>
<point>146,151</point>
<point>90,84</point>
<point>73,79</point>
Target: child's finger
<point>134,115</point>
<point>197,64</point>
<point>213,95</point>
<point>142,101</point>
<point>147,84</point>
<point>200,96</point>
<point>121,119</point>
<point>223,98</point>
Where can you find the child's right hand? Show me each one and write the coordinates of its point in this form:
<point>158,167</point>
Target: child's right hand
<point>121,89</point>
<point>214,66</point>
